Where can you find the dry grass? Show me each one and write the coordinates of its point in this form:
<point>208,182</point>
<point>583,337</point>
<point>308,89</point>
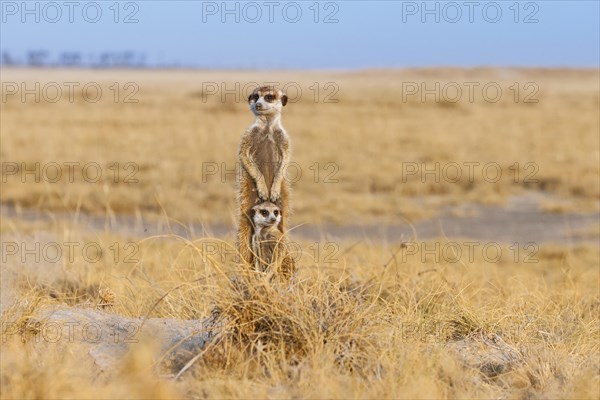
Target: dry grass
<point>371,320</point>
<point>374,324</point>
<point>176,128</point>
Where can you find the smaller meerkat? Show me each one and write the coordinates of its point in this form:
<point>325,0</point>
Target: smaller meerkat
<point>269,245</point>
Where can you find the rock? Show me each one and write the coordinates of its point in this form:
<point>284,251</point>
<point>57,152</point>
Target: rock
<point>486,352</point>
<point>108,338</point>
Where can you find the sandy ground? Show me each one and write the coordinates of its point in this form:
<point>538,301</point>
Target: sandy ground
<point>521,220</point>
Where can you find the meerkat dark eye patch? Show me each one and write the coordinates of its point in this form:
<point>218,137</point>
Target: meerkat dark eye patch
<point>276,213</point>
<point>264,213</point>
<point>269,98</point>
<point>253,97</point>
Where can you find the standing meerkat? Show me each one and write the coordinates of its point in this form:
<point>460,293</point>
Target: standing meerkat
<point>264,152</point>
<point>269,245</point>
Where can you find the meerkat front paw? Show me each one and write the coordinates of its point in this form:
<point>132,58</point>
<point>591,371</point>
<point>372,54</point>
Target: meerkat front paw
<point>263,193</point>
<point>275,196</point>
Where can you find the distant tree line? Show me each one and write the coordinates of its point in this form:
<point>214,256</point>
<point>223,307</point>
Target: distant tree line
<point>108,59</point>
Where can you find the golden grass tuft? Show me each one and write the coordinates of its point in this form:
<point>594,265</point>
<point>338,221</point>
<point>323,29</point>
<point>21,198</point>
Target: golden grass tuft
<point>269,321</point>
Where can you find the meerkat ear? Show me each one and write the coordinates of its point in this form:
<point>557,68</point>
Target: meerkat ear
<point>283,100</point>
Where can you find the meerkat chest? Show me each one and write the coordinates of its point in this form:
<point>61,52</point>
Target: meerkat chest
<point>266,147</point>
<point>271,236</point>
<point>267,154</point>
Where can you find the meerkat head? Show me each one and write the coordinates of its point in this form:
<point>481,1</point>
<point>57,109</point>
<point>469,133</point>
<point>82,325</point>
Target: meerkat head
<point>266,214</point>
<point>267,101</point>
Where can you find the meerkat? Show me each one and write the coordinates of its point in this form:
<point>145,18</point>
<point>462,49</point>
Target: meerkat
<point>269,245</point>
<point>264,152</point>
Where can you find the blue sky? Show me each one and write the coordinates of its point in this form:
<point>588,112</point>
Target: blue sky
<point>359,34</point>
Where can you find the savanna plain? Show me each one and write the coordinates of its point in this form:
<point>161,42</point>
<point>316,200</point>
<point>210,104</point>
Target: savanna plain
<point>86,306</point>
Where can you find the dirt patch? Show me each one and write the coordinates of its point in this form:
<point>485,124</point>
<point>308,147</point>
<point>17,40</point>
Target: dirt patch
<point>521,220</point>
